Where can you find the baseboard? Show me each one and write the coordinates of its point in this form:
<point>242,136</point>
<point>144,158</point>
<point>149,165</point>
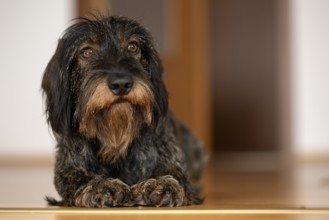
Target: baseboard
<point>26,161</point>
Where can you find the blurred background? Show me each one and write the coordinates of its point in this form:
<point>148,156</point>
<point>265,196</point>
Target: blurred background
<point>250,77</point>
<point>245,75</point>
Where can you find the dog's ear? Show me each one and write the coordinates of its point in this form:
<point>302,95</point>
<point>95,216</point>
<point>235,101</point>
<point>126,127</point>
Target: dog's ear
<point>159,91</point>
<point>56,87</point>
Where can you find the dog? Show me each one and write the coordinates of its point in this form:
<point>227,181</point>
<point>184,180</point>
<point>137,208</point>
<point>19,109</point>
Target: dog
<point>107,105</point>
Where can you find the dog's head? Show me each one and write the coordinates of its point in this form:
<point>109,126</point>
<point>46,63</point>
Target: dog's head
<point>104,82</point>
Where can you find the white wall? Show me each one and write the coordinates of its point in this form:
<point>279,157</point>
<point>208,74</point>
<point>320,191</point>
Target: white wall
<point>310,66</point>
<point>28,36</point>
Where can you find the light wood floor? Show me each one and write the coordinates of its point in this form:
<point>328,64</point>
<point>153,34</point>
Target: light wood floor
<point>236,186</point>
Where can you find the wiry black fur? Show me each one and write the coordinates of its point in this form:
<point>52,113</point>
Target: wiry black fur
<point>159,163</point>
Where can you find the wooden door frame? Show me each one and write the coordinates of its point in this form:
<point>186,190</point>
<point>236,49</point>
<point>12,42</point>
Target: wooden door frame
<point>188,65</point>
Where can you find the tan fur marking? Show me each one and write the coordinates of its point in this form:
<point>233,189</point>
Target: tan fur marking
<point>120,130</point>
<point>101,98</point>
<point>142,95</point>
<point>119,125</point>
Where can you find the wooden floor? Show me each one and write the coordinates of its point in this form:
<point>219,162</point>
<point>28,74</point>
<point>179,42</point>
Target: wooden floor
<point>236,186</point>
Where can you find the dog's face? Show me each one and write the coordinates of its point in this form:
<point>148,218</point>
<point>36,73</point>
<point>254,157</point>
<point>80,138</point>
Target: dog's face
<point>104,83</point>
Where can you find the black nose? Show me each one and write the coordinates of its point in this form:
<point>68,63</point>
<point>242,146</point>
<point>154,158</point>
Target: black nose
<point>120,85</point>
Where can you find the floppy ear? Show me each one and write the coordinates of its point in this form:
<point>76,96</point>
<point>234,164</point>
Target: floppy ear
<point>159,89</point>
<point>56,87</point>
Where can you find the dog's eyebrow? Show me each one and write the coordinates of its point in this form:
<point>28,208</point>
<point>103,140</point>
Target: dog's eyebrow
<point>134,38</point>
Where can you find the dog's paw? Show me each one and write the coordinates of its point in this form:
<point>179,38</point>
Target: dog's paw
<point>163,191</point>
<point>104,193</point>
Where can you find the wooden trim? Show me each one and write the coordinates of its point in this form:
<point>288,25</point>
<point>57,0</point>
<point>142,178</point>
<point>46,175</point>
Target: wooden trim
<point>312,158</point>
<point>85,7</point>
<point>27,160</point>
<point>162,211</point>
<point>188,65</point>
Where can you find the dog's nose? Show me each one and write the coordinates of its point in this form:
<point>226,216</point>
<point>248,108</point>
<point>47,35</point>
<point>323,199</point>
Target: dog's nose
<point>120,85</point>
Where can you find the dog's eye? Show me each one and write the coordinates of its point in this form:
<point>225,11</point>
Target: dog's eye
<point>132,47</point>
<point>87,53</point>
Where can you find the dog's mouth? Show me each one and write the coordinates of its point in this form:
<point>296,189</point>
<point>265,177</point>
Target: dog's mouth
<point>120,100</point>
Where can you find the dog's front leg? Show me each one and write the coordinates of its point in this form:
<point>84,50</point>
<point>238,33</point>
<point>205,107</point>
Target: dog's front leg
<point>101,192</point>
<point>162,191</point>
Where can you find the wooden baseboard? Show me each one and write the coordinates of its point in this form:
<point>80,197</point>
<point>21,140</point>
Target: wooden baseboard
<point>313,158</point>
<point>26,161</point>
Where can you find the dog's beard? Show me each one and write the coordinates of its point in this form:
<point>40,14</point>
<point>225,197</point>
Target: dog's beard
<point>116,121</point>
<point>117,128</point>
